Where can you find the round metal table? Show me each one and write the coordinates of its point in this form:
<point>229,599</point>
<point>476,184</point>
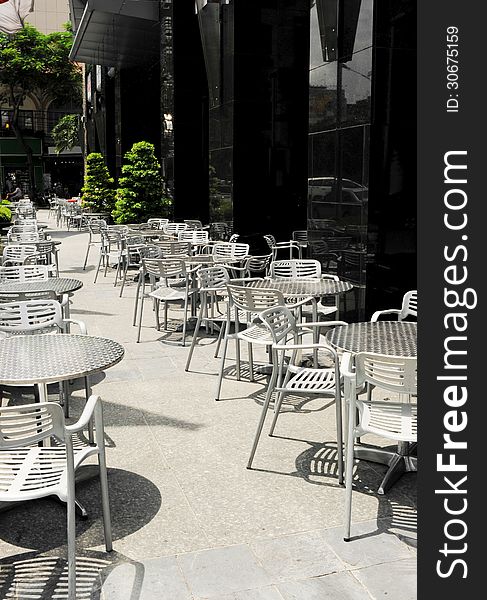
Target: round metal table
<point>291,287</point>
<point>209,260</point>
<point>391,338</point>
<point>58,285</point>
<point>42,359</point>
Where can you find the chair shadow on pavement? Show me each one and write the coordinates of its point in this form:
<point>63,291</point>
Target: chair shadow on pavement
<point>44,576</point>
<point>41,524</point>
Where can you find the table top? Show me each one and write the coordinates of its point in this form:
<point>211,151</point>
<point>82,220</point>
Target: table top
<point>44,241</point>
<point>46,358</point>
<point>209,259</point>
<point>292,287</point>
<point>59,285</point>
<point>394,338</point>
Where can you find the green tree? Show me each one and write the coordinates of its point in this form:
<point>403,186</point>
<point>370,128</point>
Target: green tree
<point>98,192</point>
<point>35,63</point>
<point>66,133</point>
<point>140,194</point>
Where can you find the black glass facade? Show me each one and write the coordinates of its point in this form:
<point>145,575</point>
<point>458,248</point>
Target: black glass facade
<point>361,147</point>
<point>256,56</point>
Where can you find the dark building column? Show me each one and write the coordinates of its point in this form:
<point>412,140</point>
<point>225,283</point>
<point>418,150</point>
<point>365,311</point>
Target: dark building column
<point>257,64</point>
<point>393,179</point>
<point>190,117</point>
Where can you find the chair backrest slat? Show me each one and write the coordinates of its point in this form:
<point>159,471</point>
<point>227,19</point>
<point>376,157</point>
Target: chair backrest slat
<point>29,424</point>
<point>393,373</point>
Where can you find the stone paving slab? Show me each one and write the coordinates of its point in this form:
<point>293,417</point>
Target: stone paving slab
<point>180,493</point>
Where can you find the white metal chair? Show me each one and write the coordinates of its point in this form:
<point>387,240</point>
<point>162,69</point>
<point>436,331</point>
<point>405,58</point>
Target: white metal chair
<point>95,227</point>
<point>174,248</point>
<point>392,420</point>
<point>110,250</point>
<point>306,269</point>
<point>157,223</point>
<point>194,236</point>
<point>173,287</point>
<point>409,308</point>
<point>23,238</point>
<point>286,336</point>
<point>18,254</point>
<point>24,228</point>
<point>175,228</point>
<point>297,268</point>
<point>230,250</point>
<point>275,247</point>
<point>31,471</point>
<point>212,282</point>
<point>193,223</point>
<point>24,273</point>
<point>47,254</point>
<point>35,316</point>
<point>252,266</point>
<point>134,256</point>
<point>301,236</point>
<point>250,301</point>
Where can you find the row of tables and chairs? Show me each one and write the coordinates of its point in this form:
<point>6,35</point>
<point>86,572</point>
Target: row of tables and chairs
<point>41,453</point>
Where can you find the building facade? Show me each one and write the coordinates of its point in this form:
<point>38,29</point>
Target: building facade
<point>38,117</point>
<point>273,116</point>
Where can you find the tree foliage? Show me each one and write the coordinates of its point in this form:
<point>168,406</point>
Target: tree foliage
<point>140,194</point>
<point>98,192</point>
<point>66,133</point>
<point>34,63</point>
<point>5,212</point>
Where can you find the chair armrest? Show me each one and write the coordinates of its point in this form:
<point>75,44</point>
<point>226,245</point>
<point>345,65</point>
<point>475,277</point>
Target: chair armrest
<point>80,324</point>
<point>299,346</point>
<point>346,368</point>
<point>322,324</point>
<point>299,303</point>
<point>86,415</point>
<point>378,313</point>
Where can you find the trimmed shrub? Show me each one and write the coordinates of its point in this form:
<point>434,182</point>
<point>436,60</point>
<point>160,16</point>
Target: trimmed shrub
<point>140,194</point>
<point>98,192</point>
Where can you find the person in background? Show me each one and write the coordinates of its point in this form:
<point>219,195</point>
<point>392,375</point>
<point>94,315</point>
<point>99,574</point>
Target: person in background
<point>16,195</point>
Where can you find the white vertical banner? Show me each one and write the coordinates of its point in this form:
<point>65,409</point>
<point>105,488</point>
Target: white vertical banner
<point>13,13</point>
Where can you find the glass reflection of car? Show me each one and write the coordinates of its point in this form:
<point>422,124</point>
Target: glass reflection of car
<point>324,204</point>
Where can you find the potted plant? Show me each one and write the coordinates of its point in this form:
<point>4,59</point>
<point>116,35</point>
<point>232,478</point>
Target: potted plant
<point>140,194</point>
<point>5,218</point>
<point>98,192</point>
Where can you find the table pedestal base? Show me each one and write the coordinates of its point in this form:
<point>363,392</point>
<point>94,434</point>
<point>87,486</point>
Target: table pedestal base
<point>399,462</point>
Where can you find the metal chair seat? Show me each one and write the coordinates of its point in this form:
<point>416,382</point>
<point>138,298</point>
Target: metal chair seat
<point>169,293</point>
<point>394,419</point>
<point>310,381</point>
<point>27,473</point>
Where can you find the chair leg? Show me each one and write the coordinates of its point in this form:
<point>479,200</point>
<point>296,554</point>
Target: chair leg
<point>222,368</point>
<point>124,279</point>
<point>185,317</point>
<point>86,255</point>
<point>349,476</point>
<point>263,415</point>
<point>141,311</point>
<point>139,281</point>
<point>251,362</point>
<point>339,423</point>
<point>219,340</point>
<point>99,265</point>
<point>277,409</point>
<point>196,330</point>
<point>237,354</point>
<point>71,534</point>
